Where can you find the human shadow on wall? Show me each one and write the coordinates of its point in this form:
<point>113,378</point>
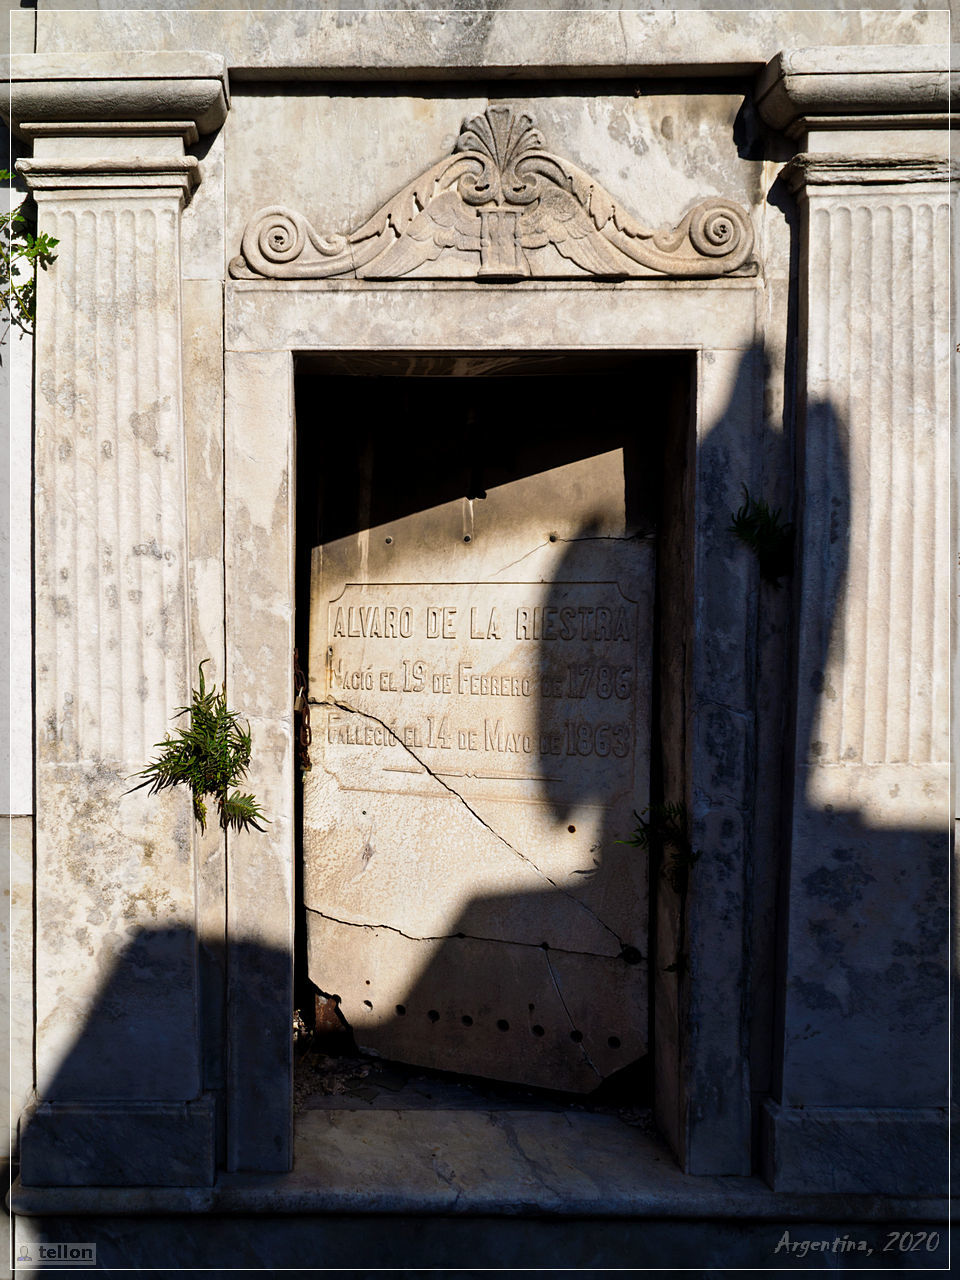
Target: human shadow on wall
<point>863,933</point>
<point>147,1051</point>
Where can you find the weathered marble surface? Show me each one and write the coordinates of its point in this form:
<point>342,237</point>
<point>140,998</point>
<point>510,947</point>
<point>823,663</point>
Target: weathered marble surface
<point>384,43</point>
<point>259,495</point>
<point>504,205</point>
<point>111,573</point>
<point>872,792</point>
<point>804,86</point>
<point>202,302</point>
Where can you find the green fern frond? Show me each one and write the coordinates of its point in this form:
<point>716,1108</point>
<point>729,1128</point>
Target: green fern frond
<point>767,536</point>
<point>210,756</point>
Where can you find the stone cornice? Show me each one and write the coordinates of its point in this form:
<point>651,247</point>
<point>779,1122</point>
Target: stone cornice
<point>182,88</point>
<point>481,42</point>
<point>904,84</point>
<point>815,169</point>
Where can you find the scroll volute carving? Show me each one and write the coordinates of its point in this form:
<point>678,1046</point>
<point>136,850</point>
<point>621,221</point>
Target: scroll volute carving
<point>501,207</point>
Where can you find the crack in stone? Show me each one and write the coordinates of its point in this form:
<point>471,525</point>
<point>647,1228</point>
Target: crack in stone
<point>328,701</point>
<point>539,1172</point>
<point>455,937</point>
<point>596,537</point>
<point>573,1026</point>
<point>447,1174</point>
<point>739,713</point>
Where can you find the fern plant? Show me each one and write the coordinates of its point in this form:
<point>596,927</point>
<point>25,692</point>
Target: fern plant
<point>664,827</point>
<point>210,757</point>
<point>766,534</point>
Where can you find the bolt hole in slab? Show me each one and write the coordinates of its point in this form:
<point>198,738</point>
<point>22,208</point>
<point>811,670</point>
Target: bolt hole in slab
<point>495,709</point>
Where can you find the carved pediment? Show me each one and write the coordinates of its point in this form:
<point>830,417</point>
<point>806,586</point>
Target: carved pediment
<point>501,207</point>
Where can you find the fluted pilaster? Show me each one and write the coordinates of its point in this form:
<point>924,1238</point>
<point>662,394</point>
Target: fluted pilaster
<point>863,1059</point>
<point>117,1037</point>
<point>877,511</point>
<point>113,659</point>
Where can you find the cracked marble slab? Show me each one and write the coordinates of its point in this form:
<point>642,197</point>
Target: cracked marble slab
<point>480,674</point>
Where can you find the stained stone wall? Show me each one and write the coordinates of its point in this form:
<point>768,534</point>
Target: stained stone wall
<point>228,222</point>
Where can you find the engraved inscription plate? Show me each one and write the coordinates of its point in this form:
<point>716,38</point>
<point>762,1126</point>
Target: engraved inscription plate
<point>480,673</point>
<point>503,686</point>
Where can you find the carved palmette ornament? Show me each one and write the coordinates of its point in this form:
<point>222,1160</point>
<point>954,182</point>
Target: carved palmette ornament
<point>485,210</point>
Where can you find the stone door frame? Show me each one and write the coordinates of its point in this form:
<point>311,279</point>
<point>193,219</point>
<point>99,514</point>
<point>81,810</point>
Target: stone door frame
<point>701,1071</point>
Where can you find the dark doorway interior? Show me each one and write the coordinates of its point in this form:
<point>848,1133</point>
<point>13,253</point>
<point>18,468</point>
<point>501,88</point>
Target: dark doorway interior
<point>382,440</point>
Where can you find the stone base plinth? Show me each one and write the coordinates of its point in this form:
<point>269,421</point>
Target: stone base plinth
<point>855,1150</point>
<point>130,1144</point>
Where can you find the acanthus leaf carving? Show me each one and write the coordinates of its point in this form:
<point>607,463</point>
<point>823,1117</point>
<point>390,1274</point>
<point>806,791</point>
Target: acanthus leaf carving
<point>500,195</point>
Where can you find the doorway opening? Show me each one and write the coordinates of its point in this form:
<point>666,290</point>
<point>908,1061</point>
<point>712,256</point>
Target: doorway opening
<point>490,610</point>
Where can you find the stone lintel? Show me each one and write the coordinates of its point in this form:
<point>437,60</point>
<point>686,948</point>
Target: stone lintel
<point>120,1144</point>
<point>130,87</point>
<point>909,85</point>
<point>854,1150</point>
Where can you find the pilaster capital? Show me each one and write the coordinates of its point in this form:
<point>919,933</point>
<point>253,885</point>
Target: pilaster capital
<point>183,94</point>
<point>866,87</point>
<point>58,177</point>
<point>830,170</point>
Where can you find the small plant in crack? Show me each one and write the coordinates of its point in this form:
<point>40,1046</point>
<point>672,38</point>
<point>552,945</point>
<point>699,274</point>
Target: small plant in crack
<point>663,827</point>
<point>767,535</point>
<point>210,756</point>
<point>663,830</point>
